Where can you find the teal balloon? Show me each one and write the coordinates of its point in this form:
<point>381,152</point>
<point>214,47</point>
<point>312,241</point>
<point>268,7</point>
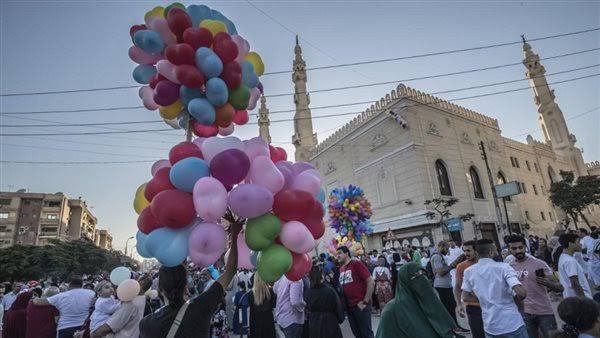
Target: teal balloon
<point>142,74</point>
<point>211,66</point>
<point>202,110</point>
<point>140,245</point>
<point>119,274</point>
<point>198,13</point>
<point>186,94</point>
<point>260,232</point>
<point>185,173</point>
<point>249,77</point>
<point>273,262</point>
<point>216,91</point>
<point>149,41</point>
<point>321,195</point>
<point>168,246</point>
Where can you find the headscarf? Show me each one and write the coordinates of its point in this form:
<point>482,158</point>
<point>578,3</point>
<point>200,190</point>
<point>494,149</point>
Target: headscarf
<point>15,320</point>
<point>416,310</point>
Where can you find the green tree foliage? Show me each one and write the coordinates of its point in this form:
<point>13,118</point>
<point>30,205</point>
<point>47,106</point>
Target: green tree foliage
<point>441,209</point>
<point>573,196</point>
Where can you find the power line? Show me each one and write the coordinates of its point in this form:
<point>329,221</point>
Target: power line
<point>329,66</point>
<point>70,150</point>
<point>568,119</point>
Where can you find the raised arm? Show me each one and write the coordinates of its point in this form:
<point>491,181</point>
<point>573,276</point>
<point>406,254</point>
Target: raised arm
<point>235,226</point>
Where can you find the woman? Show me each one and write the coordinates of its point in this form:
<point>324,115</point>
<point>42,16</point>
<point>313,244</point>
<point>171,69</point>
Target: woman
<point>15,319</point>
<point>41,319</point>
<point>543,252</point>
<point>325,313</point>
<point>580,316</point>
<point>383,282</point>
<point>240,318</point>
<point>416,311</point>
<point>262,302</point>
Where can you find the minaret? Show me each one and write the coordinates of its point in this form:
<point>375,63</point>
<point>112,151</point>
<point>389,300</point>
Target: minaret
<point>550,117</point>
<point>263,120</point>
<point>304,138</point>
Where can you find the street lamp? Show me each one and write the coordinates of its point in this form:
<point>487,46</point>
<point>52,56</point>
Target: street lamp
<point>126,242</point>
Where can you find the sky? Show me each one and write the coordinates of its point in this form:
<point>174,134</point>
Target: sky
<point>63,45</point>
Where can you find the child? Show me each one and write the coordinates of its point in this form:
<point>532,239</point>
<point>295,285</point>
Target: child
<point>240,300</point>
<point>106,305</point>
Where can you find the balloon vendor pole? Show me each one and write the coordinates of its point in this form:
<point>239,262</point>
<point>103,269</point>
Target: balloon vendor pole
<point>188,131</point>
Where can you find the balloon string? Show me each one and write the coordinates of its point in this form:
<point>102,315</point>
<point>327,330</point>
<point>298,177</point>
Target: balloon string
<point>188,134</point>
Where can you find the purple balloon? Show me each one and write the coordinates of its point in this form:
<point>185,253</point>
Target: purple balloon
<point>230,166</point>
<point>287,174</point>
<point>250,200</point>
<point>166,93</point>
<point>206,243</point>
<point>299,167</point>
<point>260,87</point>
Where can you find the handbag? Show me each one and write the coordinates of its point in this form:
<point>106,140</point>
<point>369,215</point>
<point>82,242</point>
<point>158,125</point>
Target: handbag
<point>177,321</point>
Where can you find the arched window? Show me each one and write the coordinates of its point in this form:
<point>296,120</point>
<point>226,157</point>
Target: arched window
<point>443,180</point>
<point>551,175</point>
<point>476,183</point>
<point>502,180</point>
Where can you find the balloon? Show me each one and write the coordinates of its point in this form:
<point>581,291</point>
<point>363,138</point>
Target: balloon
<point>287,174</point>
<point>254,96</point>
<point>215,145</point>
<point>172,111</point>
<point>314,220</point>
<point>239,97</point>
<point>206,243</point>
<point>210,199</point>
<point>230,166</point>
<point>216,91</point>
<point>321,195</point>
<point>299,167</point>
<point>178,21</point>
<point>183,120</point>
<point>168,70</point>
<point>198,37</point>
<point>119,274</point>
<point>232,74</point>
<point>242,45</point>
<point>241,117</point>
<point>143,73</point>
<point>301,264</point>
<point>307,181</point>
<point>176,6</point>
<point>173,208</point>
<point>253,258</point>
<point>277,154</point>
<point>184,150</point>
<point>157,11</point>
<point>296,237</point>
<point>213,26</point>
<point>155,80</point>
<point>189,76</point>
<point>134,29</point>
<point>260,232</point>
<point>180,54</point>
<point>186,172</point>
<point>264,173</point>
<point>187,94</point>
<point>227,130</point>
<point>250,200</point>
<point>174,123</point>
<point>166,92</point>
<point>139,56</point>
<point>211,66</point>
<point>147,95</point>
<point>149,41</point>
<point>158,183</point>
<point>146,222</point>
<point>256,147</point>
<point>161,26</point>
<point>168,246</point>
<point>140,244</point>
<point>140,202</point>
<point>249,77</point>
<point>273,262</point>
<point>198,142</point>
<point>198,13</point>
<point>256,61</point>
<point>203,130</point>
<point>290,205</point>
<point>224,47</point>
<point>244,261</point>
<point>224,115</point>
<point>202,110</point>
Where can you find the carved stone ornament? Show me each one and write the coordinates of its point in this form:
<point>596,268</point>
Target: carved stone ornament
<point>466,139</point>
<point>433,129</point>
<point>378,141</point>
<point>330,168</point>
<point>493,146</point>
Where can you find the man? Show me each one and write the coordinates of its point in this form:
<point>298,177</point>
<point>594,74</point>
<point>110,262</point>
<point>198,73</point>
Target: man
<point>587,243</point>
<point>442,281</point>
<point>537,313</point>
<point>357,286</point>
<point>570,272</point>
<point>289,306</point>
<point>472,309</point>
<point>73,307</point>
<point>492,284</point>
<point>10,297</point>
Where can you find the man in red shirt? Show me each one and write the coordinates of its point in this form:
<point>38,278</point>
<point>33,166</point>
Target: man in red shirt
<point>358,286</point>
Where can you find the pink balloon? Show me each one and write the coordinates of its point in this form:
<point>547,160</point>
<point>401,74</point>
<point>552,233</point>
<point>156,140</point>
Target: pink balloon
<point>308,182</point>
<point>227,130</point>
<point>159,165</point>
<point>286,172</point>
<point>243,47</point>
<point>264,173</point>
<point>256,147</point>
<point>161,26</point>
<point>198,141</point>
<point>250,200</point>
<point>215,145</point>
<point>147,95</point>
<point>254,96</point>
<point>296,237</point>
<point>168,70</point>
<point>128,290</point>
<point>139,56</point>
<point>243,253</point>
<point>206,243</point>
<point>210,199</point>
<point>299,167</point>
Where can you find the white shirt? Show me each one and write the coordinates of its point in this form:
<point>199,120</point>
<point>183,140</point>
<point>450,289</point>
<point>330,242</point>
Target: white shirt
<point>588,242</point>
<point>73,306</point>
<point>568,267</point>
<point>104,307</point>
<point>453,254</point>
<point>382,270</point>
<point>8,299</point>
<point>492,283</point>
<point>424,262</point>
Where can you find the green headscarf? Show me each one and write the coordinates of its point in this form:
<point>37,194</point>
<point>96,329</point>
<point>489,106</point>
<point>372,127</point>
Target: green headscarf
<point>416,311</point>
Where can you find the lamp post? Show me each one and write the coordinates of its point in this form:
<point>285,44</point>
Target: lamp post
<point>126,242</point>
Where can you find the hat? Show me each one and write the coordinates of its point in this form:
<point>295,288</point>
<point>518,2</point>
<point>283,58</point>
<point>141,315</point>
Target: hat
<point>100,285</point>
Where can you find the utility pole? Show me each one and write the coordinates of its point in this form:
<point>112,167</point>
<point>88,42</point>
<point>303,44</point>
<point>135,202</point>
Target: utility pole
<point>494,196</point>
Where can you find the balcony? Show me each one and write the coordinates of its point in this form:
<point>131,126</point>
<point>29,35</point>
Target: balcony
<point>49,221</point>
<point>46,234</point>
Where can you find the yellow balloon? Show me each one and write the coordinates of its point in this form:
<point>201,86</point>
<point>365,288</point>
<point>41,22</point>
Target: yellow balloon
<point>172,111</point>
<point>256,61</point>
<point>214,26</point>
<point>156,11</point>
<point>140,202</point>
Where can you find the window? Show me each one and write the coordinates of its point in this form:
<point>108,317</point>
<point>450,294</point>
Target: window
<point>442,177</point>
<point>551,175</point>
<point>512,161</point>
<point>535,189</point>
<point>536,167</point>
<point>550,214</point>
<point>517,163</point>
<point>502,180</point>
<point>527,215</point>
<point>527,164</point>
<point>523,187</point>
<point>5,201</point>
<point>543,216</point>
<point>52,216</point>
<point>3,215</point>
<point>477,190</point>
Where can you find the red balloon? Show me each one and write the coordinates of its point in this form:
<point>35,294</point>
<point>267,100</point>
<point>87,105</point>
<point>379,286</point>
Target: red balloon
<point>180,54</point>
<point>178,21</point>
<point>201,130</point>
<point>156,79</point>
<point>183,150</point>
<point>232,74</point>
<point>198,37</point>
<point>146,222</point>
<point>173,208</point>
<point>189,76</point>
<point>301,264</point>
<point>292,205</point>
<point>314,220</point>
<point>224,47</point>
<point>158,183</point>
<point>277,154</point>
<point>134,29</point>
<point>241,117</point>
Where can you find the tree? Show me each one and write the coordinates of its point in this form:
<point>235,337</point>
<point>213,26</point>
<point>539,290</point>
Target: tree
<point>573,196</point>
<point>441,210</point>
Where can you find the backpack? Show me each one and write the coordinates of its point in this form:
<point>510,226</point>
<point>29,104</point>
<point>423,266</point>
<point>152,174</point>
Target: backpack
<point>429,268</point>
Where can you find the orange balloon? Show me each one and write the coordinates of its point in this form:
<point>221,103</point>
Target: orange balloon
<point>225,115</point>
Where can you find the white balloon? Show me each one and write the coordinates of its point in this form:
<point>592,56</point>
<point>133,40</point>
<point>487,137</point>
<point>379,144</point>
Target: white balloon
<point>212,146</point>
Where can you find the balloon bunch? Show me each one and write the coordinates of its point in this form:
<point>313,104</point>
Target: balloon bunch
<point>181,206</point>
<point>350,212</point>
<point>356,247</point>
<point>195,69</point>
<point>127,288</point>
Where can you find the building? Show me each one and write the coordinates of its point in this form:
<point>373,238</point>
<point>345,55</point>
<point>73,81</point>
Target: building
<point>103,239</point>
<point>410,147</point>
<point>82,223</point>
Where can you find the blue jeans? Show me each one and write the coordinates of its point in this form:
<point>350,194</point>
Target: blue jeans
<point>360,321</point>
<point>543,323</point>
<point>68,332</point>
<point>519,333</point>
<point>293,331</point>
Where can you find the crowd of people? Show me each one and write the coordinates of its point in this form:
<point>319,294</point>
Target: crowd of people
<point>416,292</point>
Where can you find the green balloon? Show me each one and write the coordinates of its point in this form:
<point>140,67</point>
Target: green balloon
<point>173,5</point>
<point>239,97</point>
<point>260,232</point>
<point>273,262</point>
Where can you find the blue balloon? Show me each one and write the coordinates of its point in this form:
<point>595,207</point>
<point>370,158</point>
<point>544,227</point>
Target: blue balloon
<point>186,94</point>
<point>198,13</point>
<point>216,91</point>
<point>168,246</point>
<point>185,173</point>
<point>142,74</point>
<point>149,41</point>
<point>211,66</point>
<point>230,27</point>
<point>321,195</point>
<point>254,257</point>
<point>249,77</point>
<point>140,244</point>
<point>202,110</point>
<point>202,53</point>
